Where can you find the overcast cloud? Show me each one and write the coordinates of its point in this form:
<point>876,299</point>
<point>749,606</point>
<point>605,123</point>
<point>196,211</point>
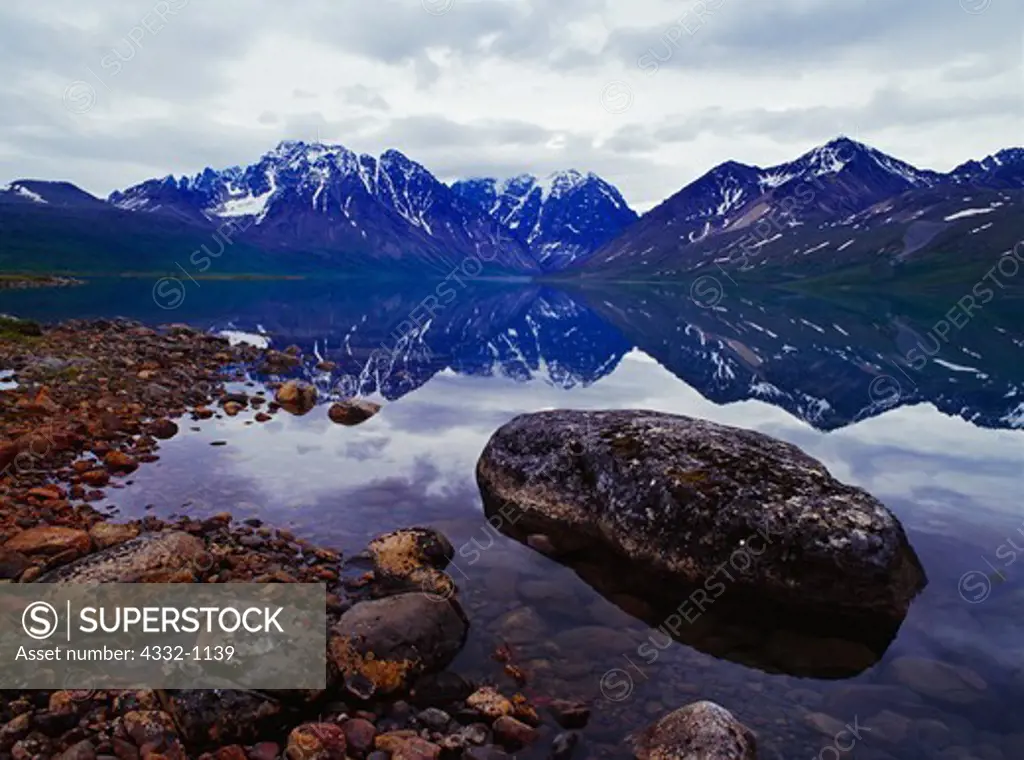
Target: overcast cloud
<point>648,93</point>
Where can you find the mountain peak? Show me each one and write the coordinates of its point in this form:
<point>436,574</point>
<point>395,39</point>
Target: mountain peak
<point>845,141</point>
<point>47,193</point>
<point>562,217</point>
<point>559,183</point>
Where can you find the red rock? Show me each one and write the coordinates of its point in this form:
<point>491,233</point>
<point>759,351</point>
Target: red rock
<point>105,534</point>
<point>233,408</point>
<point>149,727</point>
<point>96,478</point>
<point>296,396</point>
<point>83,750</point>
<point>41,404</point>
<point>316,741</point>
<point>570,714</point>
<point>264,751</point>
<point>118,461</point>
<point>47,493</point>
<point>8,453</point>
<point>416,748</point>
<point>163,429</point>
<point>392,740</point>
<point>233,752</point>
<point>12,564</point>
<point>359,734</point>
<point>202,413</point>
<point>124,750</point>
<point>352,412</point>
<point>49,540</point>
<point>490,702</point>
<point>514,733</point>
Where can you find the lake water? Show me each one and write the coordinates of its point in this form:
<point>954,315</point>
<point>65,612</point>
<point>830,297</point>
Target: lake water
<point>926,417</point>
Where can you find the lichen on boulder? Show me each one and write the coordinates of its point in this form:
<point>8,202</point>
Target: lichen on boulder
<point>675,498</point>
<point>699,731</point>
<point>392,641</point>
<point>413,559</point>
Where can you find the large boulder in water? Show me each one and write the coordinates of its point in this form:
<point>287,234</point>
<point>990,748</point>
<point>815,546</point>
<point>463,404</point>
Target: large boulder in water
<point>682,501</point>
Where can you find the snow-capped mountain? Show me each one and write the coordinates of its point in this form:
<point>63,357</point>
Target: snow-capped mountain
<point>55,194</point>
<point>1004,169</point>
<point>841,177</point>
<point>562,218</point>
<point>823,203</point>
<point>311,208</point>
<point>316,198</point>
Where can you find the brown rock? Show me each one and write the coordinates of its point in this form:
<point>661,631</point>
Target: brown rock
<point>49,540</point>
<point>513,733</point>
<point>8,453</point>
<point>149,727</point>
<point>570,714</point>
<point>233,408</point>
<point>490,703</point>
<point>278,360</point>
<point>412,559</point>
<point>359,734</point>
<point>63,702</point>
<point>83,750</point>
<point>48,492</point>
<point>390,642</point>
<point>41,404</point>
<point>12,564</point>
<point>231,752</point>
<point>316,741</point>
<point>96,478</point>
<point>105,534</point>
<point>163,429</point>
<point>16,728</point>
<point>202,413</point>
<point>392,740</point>
<point>699,731</point>
<point>296,396</point>
<point>152,557</point>
<point>124,750</point>
<point>264,751</point>
<point>416,748</point>
<point>263,417</point>
<point>352,412</point>
<point>118,461</point>
<point>225,715</point>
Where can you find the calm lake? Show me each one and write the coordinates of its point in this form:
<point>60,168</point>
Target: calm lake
<point>925,416</point>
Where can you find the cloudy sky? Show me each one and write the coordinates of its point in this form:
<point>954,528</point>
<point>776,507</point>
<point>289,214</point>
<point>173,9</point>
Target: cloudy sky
<point>648,93</point>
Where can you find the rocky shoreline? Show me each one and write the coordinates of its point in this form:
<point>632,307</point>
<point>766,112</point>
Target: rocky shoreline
<point>88,404</point>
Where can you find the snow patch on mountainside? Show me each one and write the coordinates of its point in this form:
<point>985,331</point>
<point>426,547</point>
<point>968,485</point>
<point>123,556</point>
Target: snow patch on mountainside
<point>968,212</point>
<point>26,193</point>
